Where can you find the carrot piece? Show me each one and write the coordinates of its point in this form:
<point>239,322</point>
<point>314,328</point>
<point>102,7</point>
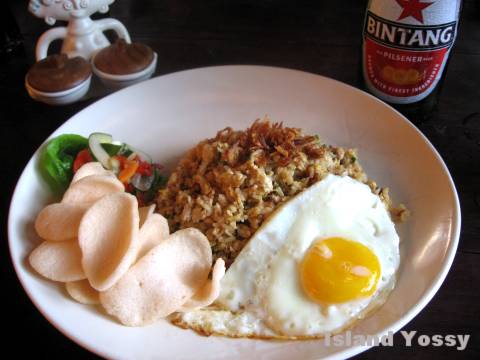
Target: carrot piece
<point>128,170</point>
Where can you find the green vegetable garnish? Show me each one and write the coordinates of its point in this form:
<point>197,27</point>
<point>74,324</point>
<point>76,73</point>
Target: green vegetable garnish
<point>56,160</point>
<point>62,156</point>
<point>113,149</point>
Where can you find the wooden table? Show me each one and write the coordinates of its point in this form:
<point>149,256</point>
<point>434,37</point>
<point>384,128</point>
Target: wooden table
<point>321,37</point>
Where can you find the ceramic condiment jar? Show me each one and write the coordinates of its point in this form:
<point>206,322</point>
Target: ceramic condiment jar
<point>59,80</point>
<point>123,64</point>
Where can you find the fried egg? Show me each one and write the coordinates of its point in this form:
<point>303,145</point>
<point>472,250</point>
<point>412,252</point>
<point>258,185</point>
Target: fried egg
<point>323,260</point>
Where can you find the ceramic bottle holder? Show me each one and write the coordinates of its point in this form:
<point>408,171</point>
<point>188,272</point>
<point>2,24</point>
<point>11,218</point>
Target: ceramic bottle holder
<point>82,37</point>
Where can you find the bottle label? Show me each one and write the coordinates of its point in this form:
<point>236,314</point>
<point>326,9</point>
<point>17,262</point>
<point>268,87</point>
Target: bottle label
<point>406,46</point>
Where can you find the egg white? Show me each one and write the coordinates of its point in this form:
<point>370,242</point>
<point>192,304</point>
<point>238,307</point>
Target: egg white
<point>261,294</point>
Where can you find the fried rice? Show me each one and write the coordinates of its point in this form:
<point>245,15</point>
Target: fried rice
<point>228,185</point>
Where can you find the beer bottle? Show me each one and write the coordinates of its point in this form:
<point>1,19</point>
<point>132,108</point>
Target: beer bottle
<point>405,52</point>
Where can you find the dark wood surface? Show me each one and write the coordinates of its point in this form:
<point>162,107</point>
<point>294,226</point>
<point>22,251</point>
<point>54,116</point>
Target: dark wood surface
<point>321,37</point>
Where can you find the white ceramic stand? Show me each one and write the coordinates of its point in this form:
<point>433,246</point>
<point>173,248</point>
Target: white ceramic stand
<point>82,36</point>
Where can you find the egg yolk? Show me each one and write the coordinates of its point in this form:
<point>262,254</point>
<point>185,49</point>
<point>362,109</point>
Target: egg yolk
<point>336,270</point>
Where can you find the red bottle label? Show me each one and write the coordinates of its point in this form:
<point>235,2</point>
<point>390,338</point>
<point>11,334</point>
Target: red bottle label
<point>399,73</point>
<point>404,55</point>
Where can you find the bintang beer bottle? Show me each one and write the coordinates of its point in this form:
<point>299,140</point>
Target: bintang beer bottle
<point>406,46</point>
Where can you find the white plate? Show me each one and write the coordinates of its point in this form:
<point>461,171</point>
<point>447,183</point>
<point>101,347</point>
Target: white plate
<point>167,115</point>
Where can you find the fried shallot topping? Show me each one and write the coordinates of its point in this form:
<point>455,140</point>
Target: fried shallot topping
<point>271,138</point>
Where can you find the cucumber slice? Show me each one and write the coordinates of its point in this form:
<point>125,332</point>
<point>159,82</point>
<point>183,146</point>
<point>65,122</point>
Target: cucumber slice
<point>95,142</point>
<point>142,183</point>
<point>143,156</point>
<point>112,149</point>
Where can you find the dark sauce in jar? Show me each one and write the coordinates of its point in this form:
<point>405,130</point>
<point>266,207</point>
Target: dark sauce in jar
<point>122,58</point>
<point>58,73</point>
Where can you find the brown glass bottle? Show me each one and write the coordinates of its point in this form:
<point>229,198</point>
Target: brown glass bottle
<point>406,50</point>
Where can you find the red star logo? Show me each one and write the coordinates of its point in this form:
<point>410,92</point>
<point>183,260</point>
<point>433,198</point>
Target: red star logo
<point>412,8</point>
